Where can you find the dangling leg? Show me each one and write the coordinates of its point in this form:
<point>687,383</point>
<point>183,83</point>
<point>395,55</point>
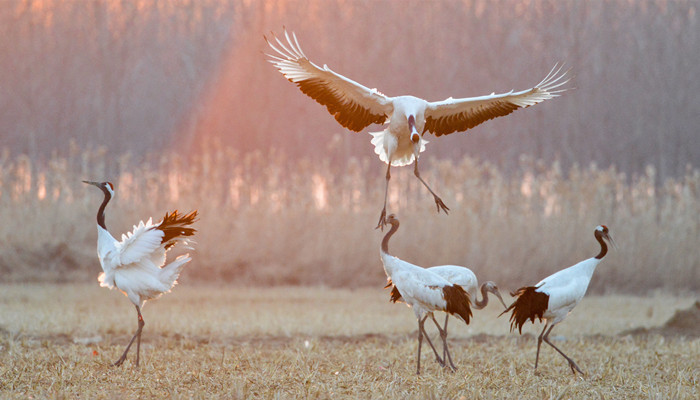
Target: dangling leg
<point>539,343</point>
<point>382,216</point>
<point>572,364</point>
<point>438,201</point>
<point>121,359</point>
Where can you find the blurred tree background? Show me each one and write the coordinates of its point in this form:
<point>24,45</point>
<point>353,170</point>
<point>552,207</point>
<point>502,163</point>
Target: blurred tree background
<point>143,77</point>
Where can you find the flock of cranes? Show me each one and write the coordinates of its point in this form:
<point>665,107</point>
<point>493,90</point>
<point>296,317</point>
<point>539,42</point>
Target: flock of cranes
<point>136,265</point>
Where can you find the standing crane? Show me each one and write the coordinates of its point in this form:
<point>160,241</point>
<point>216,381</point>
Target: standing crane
<point>553,298</point>
<point>464,277</point>
<point>136,264</point>
<point>356,107</point>
<point>424,291</point>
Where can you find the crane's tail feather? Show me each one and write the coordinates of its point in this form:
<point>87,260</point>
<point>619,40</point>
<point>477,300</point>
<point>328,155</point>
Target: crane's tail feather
<point>176,227</point>
<point>395,294</point>
<point>458,303</point>
<point>529,304</point>
<point>389,283</point>
<point>169,274</point>
<point>398,160</point>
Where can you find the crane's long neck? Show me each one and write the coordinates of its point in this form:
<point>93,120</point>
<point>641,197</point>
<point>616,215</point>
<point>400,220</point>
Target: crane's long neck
<point>385,241</point>
<point>479,304</point>
<point>603,246</point>
<point>101,210</point>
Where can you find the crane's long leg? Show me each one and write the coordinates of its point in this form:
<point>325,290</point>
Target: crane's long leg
<point>137,335</point>
<point>539,343</point>
<point>421,333</point>
<point>572,364</point>
<point>443,334</point>
<point>444,342</point>
<point>420,343</point>
<point>382,216</point>
<point>138,340</point>
<point>439,360</point>
<point>438,201</point>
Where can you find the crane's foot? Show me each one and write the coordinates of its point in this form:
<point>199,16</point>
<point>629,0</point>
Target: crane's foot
<point>382,220</point>
<point>575,368</point>
<point>440,205</point>
<point>440,361</point>
<point>120,361</point>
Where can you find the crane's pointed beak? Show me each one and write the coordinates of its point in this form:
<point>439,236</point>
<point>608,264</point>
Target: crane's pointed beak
<point>92,183</point>
<point>498,294</point>
<point>612,242</point>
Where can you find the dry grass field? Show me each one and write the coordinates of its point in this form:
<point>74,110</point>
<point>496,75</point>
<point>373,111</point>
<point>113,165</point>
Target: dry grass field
<point>214,341</point>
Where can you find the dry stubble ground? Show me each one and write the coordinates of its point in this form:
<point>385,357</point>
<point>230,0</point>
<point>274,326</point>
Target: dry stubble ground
<point>300,342</point>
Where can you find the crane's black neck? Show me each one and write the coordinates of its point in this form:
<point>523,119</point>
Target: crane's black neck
<point>603,245</point>
<point>479,304</point>
<point>385,241</point>
<point>101,210</point>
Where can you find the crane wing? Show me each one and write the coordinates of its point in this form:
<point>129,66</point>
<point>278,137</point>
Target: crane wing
<point>140,243</point>
<point>456,115</point>
<point>353,105</point>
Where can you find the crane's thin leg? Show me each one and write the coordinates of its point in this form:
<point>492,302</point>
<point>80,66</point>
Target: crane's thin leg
<point>445,351</point>
<point>443,337</point>
<point>438,201</point>
<point>572,364</point>
<point>439,360</point>
<point>138,340</point>
<point>121,359</point>
<point>422,326</point>
<point>420,343</point>
<point>539,343</point>
<point>382,216</point>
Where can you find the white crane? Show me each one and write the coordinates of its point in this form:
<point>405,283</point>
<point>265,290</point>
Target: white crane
<point>465,278</point>
<point>136,264</point>
<point>423,290</point>
<point>356,107</point>
<point>553,298</point>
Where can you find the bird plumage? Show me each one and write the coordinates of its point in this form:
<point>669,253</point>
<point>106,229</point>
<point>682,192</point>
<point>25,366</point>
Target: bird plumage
<point>555,296</point>
<point>463,277</point>
<point>136,264</point>
<point>422,290</point>
<point>356,107</point>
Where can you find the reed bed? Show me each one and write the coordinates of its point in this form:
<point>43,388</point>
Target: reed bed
<point>267,219</point>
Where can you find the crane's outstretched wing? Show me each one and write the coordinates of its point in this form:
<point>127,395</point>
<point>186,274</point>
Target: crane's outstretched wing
<point>139,243</point>
<point>353,105</point>
<point>456,115</point>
